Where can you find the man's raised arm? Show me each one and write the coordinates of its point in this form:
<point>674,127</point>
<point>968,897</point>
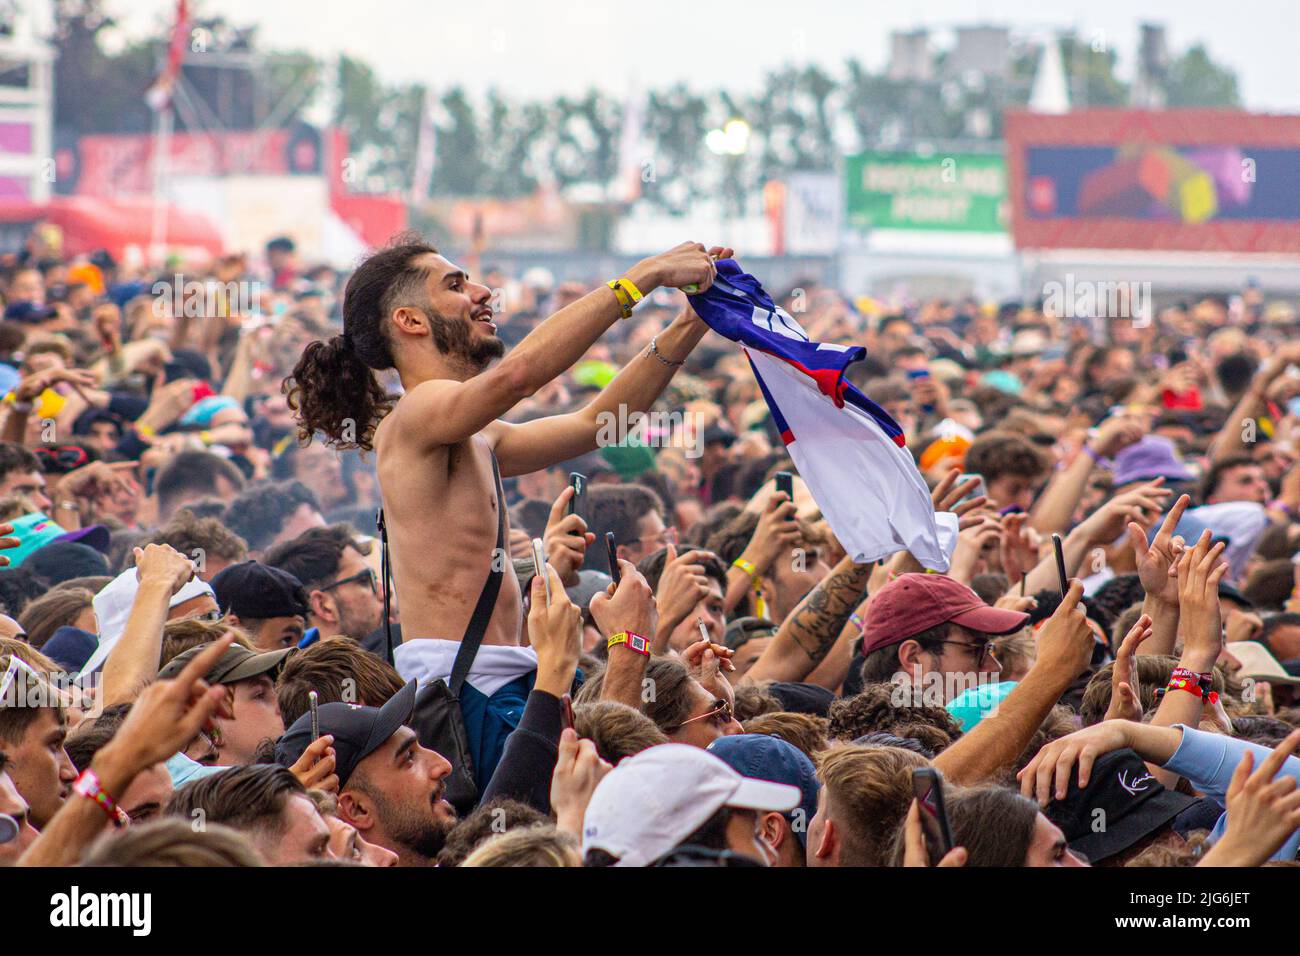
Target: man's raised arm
<point>443,411</point>
<point>541,443</point>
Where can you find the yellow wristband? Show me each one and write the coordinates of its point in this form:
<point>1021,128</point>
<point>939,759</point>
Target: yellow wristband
<point>146,430</point>
<point>627,294</point>
<point>632,290</point>
<point>633,642</point>
<point>746,566</point>
<point>205,436</point>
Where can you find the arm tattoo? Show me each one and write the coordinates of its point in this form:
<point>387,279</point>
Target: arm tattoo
<point>815,625</point>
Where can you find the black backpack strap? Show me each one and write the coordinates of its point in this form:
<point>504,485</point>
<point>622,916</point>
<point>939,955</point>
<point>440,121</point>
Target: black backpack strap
<point>487,600</point>
<point>383,570</point>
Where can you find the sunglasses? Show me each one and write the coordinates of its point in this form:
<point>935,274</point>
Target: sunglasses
<point>61,459</point>
<point>720,713</point>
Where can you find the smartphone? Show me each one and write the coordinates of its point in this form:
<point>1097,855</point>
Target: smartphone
<point>785,482</point>
<point>612,549</point>
<point>1060,564</point>
<point>539,567</point>
<point>979,489</point>
<point>312,698</point>
<point>578,503</point>
<point>927,787</point>
<point>918,373</point>
<point>566,711</point>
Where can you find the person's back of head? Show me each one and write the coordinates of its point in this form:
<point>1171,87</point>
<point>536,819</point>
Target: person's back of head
<point>338,670</point>
<point>500,815</point>
<point>805,731</point>
<point>16,459</point>
<point>995,824</point>
<point>172,842</point>
<point>45,615</point>
<point>538,845</point>
<point>867,791</point>
<point>61,561</point>
<point>888,708</point>
<point>313,557</point>
<point>259,513</point>
<point>250,799</point>
<point>197,536</point>
<point>616,729</point>
<point>195,474</point>
<point>1270,585</point>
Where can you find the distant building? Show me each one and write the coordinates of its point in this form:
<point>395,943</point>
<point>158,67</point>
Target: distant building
<point>910,57</point>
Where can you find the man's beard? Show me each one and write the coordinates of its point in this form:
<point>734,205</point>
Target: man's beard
<point>455,338</point>
<point>421,833</point>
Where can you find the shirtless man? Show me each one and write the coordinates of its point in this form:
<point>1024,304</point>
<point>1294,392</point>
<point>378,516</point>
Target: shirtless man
<point>408,308</point>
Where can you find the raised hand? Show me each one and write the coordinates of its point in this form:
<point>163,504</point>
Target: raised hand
<point>947,493</point>
<point>1107,523</point>
<point>914,852</point>
<point>1055,761</point>
<point>688,264</point>
<point>1198,574</point>
<point>163,564</point>
<point>315,768</point>
<point>1155,559</point>
<point>578,768</point>
<point>565,539</point>
<point>1066,640</point>
<point>682,586</point>
<point>1125,698</point>
<point>555,633</point>
<point>168,714</point>
<point>629,607</point>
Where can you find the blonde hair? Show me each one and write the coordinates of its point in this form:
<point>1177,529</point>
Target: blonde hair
<point>541,845</point>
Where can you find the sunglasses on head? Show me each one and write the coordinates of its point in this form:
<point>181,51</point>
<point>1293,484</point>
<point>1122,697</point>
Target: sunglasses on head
<point>61,458</point>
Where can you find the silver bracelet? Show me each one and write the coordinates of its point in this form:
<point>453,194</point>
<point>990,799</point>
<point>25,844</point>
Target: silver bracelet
<point>654,350</point>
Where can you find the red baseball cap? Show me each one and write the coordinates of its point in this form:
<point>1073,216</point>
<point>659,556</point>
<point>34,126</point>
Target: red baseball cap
<point>913,603</point>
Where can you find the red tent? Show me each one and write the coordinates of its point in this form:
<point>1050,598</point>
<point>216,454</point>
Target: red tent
<point>91,223</point>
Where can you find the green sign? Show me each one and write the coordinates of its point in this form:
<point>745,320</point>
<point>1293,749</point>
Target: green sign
<point>951,192</point>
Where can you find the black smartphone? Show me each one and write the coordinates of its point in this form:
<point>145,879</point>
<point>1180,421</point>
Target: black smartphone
<point>785,482</point>
<point>612,548</point>
<point>578,503</point>
<point>927,787</point>
<point>1060,564</point>
<point>566,711</point>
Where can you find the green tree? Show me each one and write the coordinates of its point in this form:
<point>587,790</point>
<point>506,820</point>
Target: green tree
<point>1196,80</point>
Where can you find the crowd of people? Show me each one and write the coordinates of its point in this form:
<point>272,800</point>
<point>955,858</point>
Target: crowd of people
<point>212,655</point>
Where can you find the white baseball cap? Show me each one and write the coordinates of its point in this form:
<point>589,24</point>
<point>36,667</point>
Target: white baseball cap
<point>652,801</point>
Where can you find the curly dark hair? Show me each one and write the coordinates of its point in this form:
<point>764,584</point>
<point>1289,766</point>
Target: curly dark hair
<point>332,388</point>
<point>893,709</point>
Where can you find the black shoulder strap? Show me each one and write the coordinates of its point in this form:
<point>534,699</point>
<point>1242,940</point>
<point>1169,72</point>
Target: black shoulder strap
<point>384,572</point>
<point>487,599</point>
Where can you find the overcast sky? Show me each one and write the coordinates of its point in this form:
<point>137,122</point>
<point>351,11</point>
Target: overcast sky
<point>541,47</point>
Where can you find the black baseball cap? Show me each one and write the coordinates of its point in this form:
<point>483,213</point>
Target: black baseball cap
<point>236,664</point>
<point>252,590</point>
<point>1134,802</point>
<point>358,731</point>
